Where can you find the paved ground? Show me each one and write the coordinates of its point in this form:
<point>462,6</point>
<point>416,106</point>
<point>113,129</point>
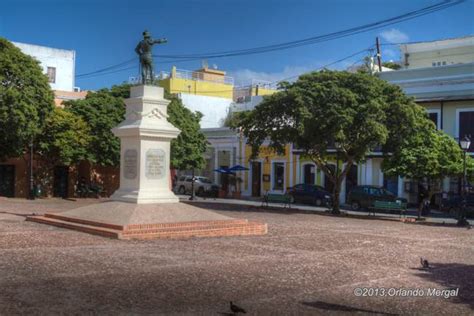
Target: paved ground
<point>307,264</point>
<point>434,217</point>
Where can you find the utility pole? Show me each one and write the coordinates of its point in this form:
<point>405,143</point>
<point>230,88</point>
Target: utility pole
<point>379,61</point>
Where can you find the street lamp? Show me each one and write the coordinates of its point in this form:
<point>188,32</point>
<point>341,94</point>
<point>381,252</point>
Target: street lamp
<point>465,143</point>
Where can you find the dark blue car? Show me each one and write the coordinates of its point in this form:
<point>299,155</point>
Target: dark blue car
<point>310,194</point>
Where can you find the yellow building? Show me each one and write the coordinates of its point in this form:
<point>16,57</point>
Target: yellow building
<point>205,82</point>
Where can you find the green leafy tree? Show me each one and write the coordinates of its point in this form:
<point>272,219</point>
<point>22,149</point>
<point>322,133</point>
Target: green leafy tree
<point>26,100</point>
<point>102,111</point>
<point>427,154</point>
<point>233,119</point>
<point>328,108</point>
<point>187,151</point>
<point>67,138</point>
<point>391,65</point>
<point>65,143</point>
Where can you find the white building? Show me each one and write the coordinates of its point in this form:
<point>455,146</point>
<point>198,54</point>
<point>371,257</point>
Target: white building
<point>57,64</point>
<point>214,109</point>
<point>438,53</point>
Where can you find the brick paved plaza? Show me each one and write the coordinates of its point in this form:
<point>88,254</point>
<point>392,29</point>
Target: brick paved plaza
<point>306,264</point>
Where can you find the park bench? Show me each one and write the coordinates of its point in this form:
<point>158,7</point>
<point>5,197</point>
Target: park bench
<point>276,198</point>
<point>388,206</point>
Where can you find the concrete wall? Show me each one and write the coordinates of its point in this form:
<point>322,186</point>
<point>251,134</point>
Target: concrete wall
<point>214,109</point>
<point>62,60</point>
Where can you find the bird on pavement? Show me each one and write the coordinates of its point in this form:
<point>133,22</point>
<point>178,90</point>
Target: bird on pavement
<point>236,309</point>
<point>424,263</point>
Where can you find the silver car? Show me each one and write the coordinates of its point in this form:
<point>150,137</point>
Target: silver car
<point>202,185</point>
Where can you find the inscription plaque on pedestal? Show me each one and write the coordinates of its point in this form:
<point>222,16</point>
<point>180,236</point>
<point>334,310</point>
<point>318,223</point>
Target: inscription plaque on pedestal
<point>155,161</point>
<point>130,164</point>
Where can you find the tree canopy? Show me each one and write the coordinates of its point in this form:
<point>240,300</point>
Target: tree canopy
<point>102,111</point>
<point>67,139</point>
<point>391,65</point>
<point>187,151</point>
<point>25,100</point>
<point>427,154</point>
<point>357,112</point>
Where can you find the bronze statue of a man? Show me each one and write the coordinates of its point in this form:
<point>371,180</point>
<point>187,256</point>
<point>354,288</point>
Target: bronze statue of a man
<point>144,51</point>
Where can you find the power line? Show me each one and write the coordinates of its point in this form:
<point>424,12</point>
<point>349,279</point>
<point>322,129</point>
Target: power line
<point>112,69</point>
<point>330,64</point>
<point>292,44</point>
<point>107,68</point>
<point>326,37</point>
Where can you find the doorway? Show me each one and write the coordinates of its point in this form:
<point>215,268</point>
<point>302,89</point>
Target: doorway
<point>7,180</point>
<point>224,180</point>
<point>256,177</point>
<point>309,174</point>
<point>391,184</point>
<point>60,183</point>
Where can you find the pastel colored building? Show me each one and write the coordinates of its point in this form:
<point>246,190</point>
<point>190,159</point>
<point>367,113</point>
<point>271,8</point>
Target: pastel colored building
<point>445,90</point>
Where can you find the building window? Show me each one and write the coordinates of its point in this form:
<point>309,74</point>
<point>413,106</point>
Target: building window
<point>466,126</point>
<point>444,63</point>
<point>278,176</point>
<point>435,115</point>
<point>433,64</point>
<point>51,73</point>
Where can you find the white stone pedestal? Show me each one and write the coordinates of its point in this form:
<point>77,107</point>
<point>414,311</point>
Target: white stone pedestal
<point>145,138</point>
<point>144,206</point>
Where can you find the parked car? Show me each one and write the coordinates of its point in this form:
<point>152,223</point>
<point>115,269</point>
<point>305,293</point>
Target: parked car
<point>310,193</point>
<point>364,196</point>
<point>452,205</point>
<point>202,186</point>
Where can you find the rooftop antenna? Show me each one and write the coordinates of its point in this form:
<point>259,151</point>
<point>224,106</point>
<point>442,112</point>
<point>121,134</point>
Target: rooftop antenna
<point>204,63</point>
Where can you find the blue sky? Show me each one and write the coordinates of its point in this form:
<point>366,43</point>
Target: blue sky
<point>104,33</point>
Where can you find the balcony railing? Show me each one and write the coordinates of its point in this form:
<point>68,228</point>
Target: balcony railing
<point>196,75</point>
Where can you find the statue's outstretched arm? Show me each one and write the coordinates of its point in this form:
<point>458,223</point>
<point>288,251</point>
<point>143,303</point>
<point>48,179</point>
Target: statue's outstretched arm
<point>160,41</point>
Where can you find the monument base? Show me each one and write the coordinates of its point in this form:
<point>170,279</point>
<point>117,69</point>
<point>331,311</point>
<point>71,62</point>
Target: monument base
<point>145,197</point>
<point>123,220</point>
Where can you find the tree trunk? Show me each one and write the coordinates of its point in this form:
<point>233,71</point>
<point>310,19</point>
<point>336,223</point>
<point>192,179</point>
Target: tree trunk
<point>337,190</point>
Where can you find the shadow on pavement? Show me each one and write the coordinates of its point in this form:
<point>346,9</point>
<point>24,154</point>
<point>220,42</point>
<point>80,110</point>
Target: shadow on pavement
<point>234,207</point>
<point>452,276</point>
<point>340,308</point>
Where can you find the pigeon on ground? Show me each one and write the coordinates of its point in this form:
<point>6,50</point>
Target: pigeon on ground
<point>424,263</point>
<point>236,309</point>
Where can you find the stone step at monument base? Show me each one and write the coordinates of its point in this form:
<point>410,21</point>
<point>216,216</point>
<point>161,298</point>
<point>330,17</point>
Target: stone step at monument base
<point>231,227</point>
